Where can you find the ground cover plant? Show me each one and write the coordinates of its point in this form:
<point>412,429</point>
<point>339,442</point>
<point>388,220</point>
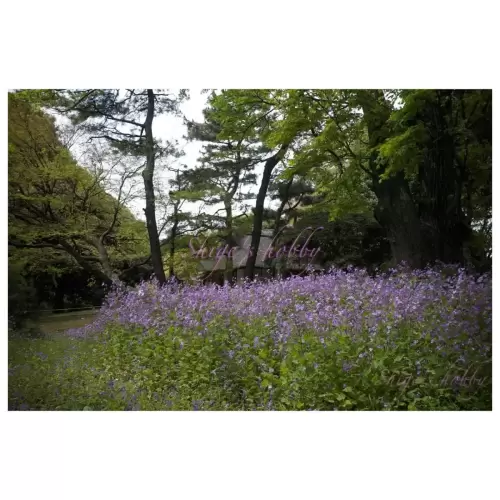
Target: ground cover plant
<point>344,340</point>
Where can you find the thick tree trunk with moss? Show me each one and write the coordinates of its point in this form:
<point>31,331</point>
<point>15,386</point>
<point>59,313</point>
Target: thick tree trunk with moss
<point>397,214</point>
<point>442,180</point>
<point>396,211</point>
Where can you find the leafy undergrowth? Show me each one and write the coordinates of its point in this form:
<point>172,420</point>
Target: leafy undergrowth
<point>342,341</point>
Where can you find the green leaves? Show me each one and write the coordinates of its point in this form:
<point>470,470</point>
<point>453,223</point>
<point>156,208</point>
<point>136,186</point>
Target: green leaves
<point>404,151</point>
<point>126,369</point>
<point>58,207</point>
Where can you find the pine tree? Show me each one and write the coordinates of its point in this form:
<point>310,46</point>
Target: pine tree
<point>125,119</point>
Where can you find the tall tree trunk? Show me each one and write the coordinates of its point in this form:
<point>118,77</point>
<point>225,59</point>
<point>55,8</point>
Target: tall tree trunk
<point>228,272</point>
<point>277,221</point>
<point>150,210</point>
<point>451,221</point>
<point>442,178</point>
<point>259,210</point>
<point>397,214</point>
<point>58,303</point>
<point>395,211</point>
<point>279,211</point>
<point>173,235</point>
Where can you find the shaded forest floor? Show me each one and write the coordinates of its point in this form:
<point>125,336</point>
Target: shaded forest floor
<point>56,323</point>
<point>51,348</point>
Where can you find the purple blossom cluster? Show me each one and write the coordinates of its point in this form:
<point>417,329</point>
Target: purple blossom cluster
<point>351,301</point>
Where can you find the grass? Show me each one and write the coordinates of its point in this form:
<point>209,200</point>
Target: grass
<point>56,323</point>
<point>125,370</point>
<point>25,354</point>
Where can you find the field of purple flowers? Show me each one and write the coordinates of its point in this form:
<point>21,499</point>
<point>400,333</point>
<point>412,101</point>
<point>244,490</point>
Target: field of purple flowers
<point>405,340</point>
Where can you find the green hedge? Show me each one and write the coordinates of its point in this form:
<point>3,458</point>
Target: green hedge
<point>242,368</point>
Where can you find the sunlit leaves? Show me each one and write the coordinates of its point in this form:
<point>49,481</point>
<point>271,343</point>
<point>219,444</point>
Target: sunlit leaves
<point>52,198</point>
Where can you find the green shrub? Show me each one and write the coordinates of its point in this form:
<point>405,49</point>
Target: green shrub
<point>23,305</point>
<point>242,368</point>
